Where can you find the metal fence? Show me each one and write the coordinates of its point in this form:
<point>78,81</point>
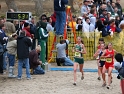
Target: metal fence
<point>90,41</point>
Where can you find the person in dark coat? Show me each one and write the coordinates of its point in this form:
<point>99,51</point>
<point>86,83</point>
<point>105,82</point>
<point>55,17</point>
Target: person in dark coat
<point>119,66</point>
<point>3,41</point>
<point>35,63</point>
<point>23,44</point>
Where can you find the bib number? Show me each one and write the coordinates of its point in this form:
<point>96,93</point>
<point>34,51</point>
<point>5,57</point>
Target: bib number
<point>77,54</point>
<point>102,59</point>
<point>109,60</point>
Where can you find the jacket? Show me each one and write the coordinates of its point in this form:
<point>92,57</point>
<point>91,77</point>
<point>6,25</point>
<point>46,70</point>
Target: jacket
<point>59,5</point>
<point>105,31</point>
<point>33,59</point>
<point>121,73</point>
<point>10,28</point>
<point>23,44</point>
<point>28,34</point>
<point>12,46</point>
<point>119,9</point>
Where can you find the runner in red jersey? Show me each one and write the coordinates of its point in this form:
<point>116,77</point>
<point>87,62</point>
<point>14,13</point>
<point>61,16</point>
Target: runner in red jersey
<point>109,63</point>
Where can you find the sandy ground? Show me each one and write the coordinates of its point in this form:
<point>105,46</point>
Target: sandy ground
<point>58,82</point>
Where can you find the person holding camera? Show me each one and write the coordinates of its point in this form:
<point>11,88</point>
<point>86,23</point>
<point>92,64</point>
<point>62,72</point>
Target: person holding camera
<point>35,63</point>
<point>61,54</point>
<point>119,66</point>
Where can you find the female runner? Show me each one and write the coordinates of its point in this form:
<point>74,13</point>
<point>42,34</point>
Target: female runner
<point>108,54</point>
<point>79,49</point>
<point>101,61</point>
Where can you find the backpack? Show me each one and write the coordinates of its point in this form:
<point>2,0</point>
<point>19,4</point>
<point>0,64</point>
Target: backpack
<point>1,49</point>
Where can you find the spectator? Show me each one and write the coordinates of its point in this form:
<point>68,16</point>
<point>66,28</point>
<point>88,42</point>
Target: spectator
<point>59,8</point>
<point>99,25</point>
<point>2,42</point>
<point>53,17</point>
<point>27,30</point>
<point>11,53</point>
<point>92,17</point>
<point>102,8</point>
<point>79,24</point>
<point>104,15</point>
<point>116,13</point>
<point>5,38</point>
<point>109,7</point>
<point>86,25</point>
<point>35,63</point>
<point>73,22</point>
<point>117,21</point>
<point>112,25</point>
<point>119,8</point>
<point>119,66</point>
<point>92,25</point>
<point>23,54</point>
<point>85,9</point>
<point>61,54</point>
<point>10,28</point>
<point>105,29</point>
<point>33,31</point>
<point>113,5</point>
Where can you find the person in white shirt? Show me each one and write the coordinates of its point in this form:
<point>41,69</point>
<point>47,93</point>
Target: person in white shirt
<point>86,25</point>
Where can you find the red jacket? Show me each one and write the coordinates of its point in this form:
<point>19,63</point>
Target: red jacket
<point>28,34</point>
<point>113,28</point>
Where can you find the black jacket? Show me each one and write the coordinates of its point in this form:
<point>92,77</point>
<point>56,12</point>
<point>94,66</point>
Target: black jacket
<point>121,73</point>
<point>23,44</point>
<point>119,9</point>
<point>60,6</point>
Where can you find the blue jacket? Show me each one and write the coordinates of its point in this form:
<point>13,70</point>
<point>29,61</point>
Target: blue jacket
<point>60,6</point>
<point>104,31</point>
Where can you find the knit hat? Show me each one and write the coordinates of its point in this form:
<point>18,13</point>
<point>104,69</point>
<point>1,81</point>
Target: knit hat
<point>26,24</point>
<point>107,1</point>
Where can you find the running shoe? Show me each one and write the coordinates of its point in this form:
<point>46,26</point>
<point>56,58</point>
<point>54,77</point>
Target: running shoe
<point>98,78</point>
<point>82,77</point>
<point>74,83</point>
<point>108,87</point>
<point>104,85</point>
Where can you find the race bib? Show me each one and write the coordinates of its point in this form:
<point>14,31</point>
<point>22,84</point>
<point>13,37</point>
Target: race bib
<point>102,59</point>
<point>109,60</point>
<point>77,54</point>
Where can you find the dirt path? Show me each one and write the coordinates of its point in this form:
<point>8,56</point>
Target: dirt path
<point>58,82</point>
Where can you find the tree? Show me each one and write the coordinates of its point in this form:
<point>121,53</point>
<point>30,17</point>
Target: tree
<point>70,2</point>
<point>11,4</point>
<point>38,7</point>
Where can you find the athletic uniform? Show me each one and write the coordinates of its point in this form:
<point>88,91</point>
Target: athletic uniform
<point>102,60</point>
<point>110,60</point>
<point>98,47</point>
<point>78,56</point>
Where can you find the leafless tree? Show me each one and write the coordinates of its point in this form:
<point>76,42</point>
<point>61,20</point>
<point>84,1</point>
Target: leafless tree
<point>71,4</point>
<point>38,7</point>
<point>11,4</point>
